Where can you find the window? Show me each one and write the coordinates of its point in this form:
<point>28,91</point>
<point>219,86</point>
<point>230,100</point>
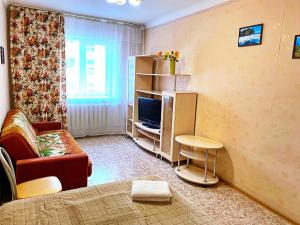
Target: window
<point>86,71</point>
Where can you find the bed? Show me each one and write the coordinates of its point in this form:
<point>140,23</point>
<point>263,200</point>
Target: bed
<point>102,204</point>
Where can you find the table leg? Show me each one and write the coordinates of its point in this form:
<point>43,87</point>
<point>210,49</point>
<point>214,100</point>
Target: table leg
<point>205,171</point>
<point>188,160</point>
<point>178,168</point>
<point>215,163</point>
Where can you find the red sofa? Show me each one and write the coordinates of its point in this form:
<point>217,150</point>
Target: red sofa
<point>44,149</point>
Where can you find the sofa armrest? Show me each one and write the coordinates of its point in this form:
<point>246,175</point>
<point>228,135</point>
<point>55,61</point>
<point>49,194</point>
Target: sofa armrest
<point>46,126</point>
<point>71,170</point>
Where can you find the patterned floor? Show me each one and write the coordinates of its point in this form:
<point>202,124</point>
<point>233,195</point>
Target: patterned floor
<point>117,157</point>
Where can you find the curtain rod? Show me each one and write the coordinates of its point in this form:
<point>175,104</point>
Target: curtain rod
<point>80,16</point>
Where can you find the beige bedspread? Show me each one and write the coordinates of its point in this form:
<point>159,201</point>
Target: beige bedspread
<point>102,204</point>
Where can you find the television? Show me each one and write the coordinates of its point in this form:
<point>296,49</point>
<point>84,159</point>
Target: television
<point>149,112</point>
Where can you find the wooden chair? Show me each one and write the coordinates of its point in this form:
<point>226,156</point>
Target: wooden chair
<point>37,187</point>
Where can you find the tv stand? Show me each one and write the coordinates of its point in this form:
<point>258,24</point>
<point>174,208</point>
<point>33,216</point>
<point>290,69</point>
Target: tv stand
<point>146,128</point>
<point>178,108</point>
<point>150,126</point>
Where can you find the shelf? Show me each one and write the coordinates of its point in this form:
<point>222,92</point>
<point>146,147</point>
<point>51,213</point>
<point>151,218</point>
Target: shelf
<point>163,75</point>
<point>198,142</point>
<point>196,175</point>
<point>147,144</point>
<point>159,93</point>
<point>196,155</point>
<point>145,56</point>
<point>149,135</point>
<point>151,130</point>
<point>131,120</point>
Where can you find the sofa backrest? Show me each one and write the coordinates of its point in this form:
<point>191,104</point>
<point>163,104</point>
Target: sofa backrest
<point>18,136</point>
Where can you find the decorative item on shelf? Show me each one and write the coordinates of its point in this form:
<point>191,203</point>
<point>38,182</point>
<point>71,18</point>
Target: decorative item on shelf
<point>173,58</point>
<point>296,51</point>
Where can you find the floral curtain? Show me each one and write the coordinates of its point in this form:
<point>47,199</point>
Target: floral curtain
<point>37,56</point>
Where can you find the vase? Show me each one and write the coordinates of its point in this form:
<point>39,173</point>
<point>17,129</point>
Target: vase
<point>172,67</point>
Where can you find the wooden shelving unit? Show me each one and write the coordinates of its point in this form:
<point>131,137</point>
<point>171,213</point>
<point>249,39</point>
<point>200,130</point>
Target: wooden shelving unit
<point>145,56</point>
<point>148,144</point>
<point>178,107</point>
<point>150,130</point>
<point>129,134</point>
<point>159,93</point>
<point>149,135</point>
<point>163,75</point>
<point>129,120</point>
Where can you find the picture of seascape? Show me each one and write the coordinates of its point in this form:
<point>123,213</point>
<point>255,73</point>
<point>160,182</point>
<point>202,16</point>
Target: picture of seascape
<point>251,35</point>
<point>296,52</point>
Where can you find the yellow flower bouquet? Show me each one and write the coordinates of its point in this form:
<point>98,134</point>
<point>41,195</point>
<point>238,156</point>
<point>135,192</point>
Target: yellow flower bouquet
<point>172,56</point>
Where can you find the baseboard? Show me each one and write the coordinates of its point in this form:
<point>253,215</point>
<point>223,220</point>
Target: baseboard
<point>291,220</point>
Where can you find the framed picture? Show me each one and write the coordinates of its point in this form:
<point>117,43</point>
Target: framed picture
<point>251,35</point>
<point>296,51</point>
<point>2,55</point>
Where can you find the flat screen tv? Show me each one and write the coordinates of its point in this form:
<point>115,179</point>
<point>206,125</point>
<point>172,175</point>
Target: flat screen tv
<point>149,112</point>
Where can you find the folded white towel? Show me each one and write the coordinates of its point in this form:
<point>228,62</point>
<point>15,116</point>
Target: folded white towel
<point>155,191</point>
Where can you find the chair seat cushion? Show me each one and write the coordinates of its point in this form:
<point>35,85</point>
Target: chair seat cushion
<point>37,187</point>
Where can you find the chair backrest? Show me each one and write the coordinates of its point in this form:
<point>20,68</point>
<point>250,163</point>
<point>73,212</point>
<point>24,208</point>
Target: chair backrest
<point>10,172</point>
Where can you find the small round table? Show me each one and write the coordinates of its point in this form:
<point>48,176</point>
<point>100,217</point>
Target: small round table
<point>193,173</point>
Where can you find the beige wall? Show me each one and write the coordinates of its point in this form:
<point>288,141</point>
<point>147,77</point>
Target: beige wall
<point>249,98</point>
<point>4,86</point>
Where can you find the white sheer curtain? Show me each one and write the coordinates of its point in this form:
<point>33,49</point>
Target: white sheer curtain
<point>96,67</point>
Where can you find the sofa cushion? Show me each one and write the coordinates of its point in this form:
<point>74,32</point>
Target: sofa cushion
<point>17,123</point>
<point>57,143</point>
<point>51,144</point>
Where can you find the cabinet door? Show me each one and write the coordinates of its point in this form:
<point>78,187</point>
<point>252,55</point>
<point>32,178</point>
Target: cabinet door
<point>130,83</point>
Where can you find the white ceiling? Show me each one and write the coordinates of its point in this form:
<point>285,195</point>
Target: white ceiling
<point>150,12</point>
